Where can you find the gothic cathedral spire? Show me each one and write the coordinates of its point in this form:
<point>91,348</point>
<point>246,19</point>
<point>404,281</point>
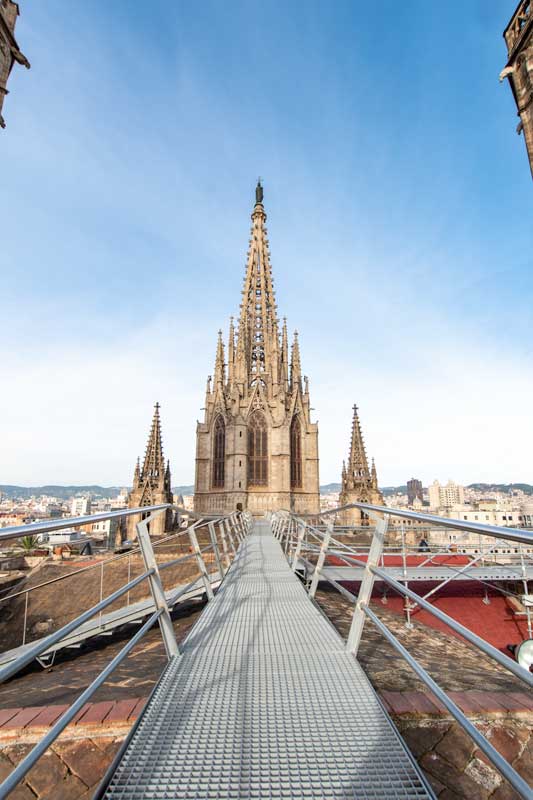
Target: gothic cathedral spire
<point>257,447</point>
<point>359,484</point>
<point>152,483</point>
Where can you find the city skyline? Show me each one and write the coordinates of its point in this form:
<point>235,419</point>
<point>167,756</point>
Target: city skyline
<point>127,250</point>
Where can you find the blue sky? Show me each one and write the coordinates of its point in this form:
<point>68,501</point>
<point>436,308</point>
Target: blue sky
<point>398,199</point>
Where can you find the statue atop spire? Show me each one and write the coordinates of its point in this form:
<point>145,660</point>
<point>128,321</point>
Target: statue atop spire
<point>259,192</point>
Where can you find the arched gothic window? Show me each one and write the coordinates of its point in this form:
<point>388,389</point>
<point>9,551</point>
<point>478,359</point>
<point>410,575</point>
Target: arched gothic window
<point>219,453</point>
<point>296,454</point>
<point>257,450</point>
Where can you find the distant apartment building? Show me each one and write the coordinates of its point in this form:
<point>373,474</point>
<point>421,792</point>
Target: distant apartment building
<point>445,496</point>
<point>518,37</point>
<point>81,506</point>
<point>414,491</point>
<point>9,49</point>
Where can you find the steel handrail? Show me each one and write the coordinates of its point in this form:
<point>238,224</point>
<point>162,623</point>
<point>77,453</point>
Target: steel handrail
<point>33,756</point>
<point>16,531</point>
<point>44,526</point>
<point>503,766</point>
<point>97,565</point>
<point>362,609</point>
<point>43,644</point>
<point>496,531</point>
<point>477,641</point>
<point>160,614</point>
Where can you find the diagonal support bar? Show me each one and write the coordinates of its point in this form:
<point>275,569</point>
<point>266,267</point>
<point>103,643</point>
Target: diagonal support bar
<point>156,587</point>
<point>321,558</point>
<point>201,563</point>
<point>365,592</point>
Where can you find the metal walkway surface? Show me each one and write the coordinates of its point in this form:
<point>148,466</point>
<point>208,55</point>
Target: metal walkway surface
<point>264,702</point>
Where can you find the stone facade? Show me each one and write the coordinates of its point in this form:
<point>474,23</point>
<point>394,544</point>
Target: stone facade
<point>257,448</point>
<point>359,484</point>
<point>9,49</point>
<point>152,483</point>
<point>519,69</point>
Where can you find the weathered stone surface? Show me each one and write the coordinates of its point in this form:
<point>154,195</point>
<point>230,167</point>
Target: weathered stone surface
<point>84,759</point>
<point>17,752</point>
<point>48,772</point>
<point>422,739</point>
<point>524,764</point>
<point>433,764</point>
<point>456,747</point>
<point>509,741</point>
<point>483,774</point>
<point>70,788</point>
<point>435,784</point>
<point>505,792</point>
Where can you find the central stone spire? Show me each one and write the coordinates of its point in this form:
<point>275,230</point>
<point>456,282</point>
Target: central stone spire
<point>257,447</point>
<point>257,353</point>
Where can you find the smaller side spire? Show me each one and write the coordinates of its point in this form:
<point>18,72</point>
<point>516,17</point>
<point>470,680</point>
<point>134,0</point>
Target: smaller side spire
<point>374,474</point>
<point>137,473</point>
<point>220,370</point>
<point>231,351</point>
<point>284,357</point>
<point>296,367</point>
<point>154,464</point>
<point>358,463</point>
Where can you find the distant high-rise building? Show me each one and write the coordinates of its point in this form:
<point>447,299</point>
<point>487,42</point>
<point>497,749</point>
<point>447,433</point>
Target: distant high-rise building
<point>359,483</point>
<point>518,37</point>
<point>257,447</point>
<point>445,496</point>
<point>151,484</point>
<point>81,506</point>
<point>9,49</point>
<point>414,491</point>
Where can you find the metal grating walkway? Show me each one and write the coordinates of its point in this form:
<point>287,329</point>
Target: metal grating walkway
<point>264,702</point>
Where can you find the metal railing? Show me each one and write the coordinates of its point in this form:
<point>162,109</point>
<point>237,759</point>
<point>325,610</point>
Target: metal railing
<point>224,543</point>
<point>297,536</point>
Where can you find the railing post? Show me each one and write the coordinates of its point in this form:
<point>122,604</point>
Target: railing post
<point>298,549</point>
<point>288,540</point>
<point>213,535</point>
<point>321,558</point>
<point>365,592</point>
<point>226,524</point>
<point>237,526</point>
<point>25,616</point>
<point>156,587</point>
<point>224,543</point>
<point>238,522</point>
<point>201,563</point>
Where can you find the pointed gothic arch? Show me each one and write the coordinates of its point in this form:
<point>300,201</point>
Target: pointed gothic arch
<point>219,453</point>
<point>296,453</point>
<point>257,450</point>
